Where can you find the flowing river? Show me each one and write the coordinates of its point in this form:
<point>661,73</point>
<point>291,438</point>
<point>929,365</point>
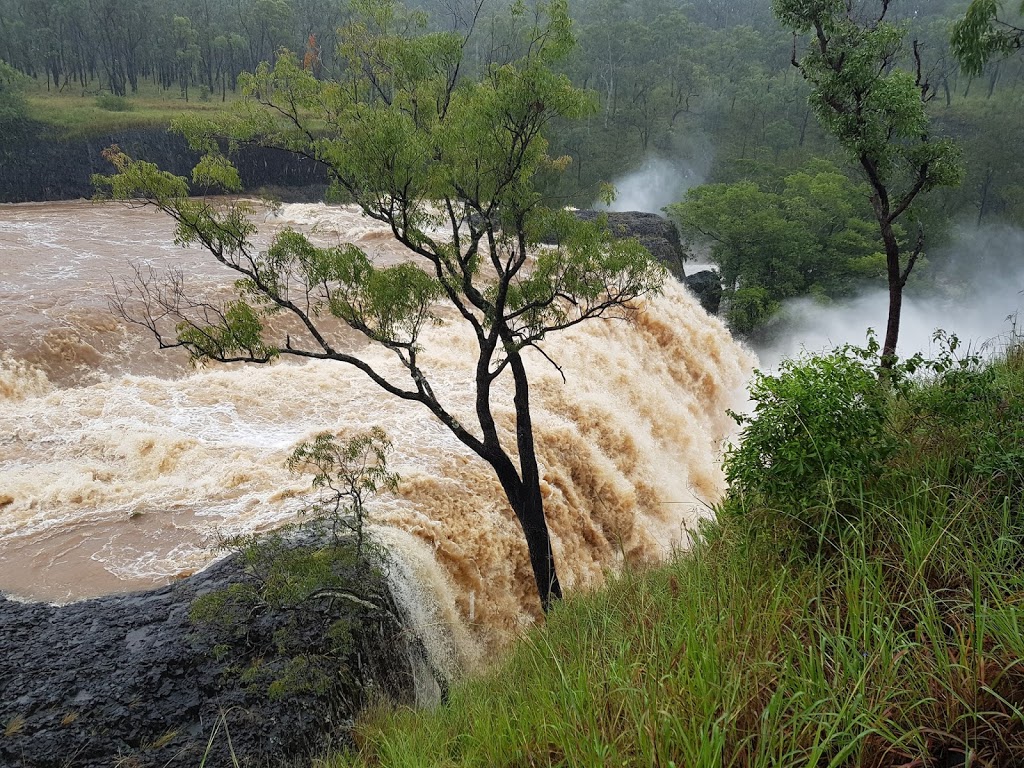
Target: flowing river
<point>121,467</point>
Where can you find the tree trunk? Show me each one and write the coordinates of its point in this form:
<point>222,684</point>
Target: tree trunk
<point>529,504</point>
<point>893,272</point>
<point>538,542</point>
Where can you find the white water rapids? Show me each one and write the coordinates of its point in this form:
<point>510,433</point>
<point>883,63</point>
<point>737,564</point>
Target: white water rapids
<point>120,466</point>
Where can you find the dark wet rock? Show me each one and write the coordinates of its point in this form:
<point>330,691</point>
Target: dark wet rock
<point>131,680</point>
<point>707,286</point>
<point>655,233</point>
<point>35,166</point>
<point>661,238</point>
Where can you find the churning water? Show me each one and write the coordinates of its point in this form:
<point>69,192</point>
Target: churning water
<point>120,466</point>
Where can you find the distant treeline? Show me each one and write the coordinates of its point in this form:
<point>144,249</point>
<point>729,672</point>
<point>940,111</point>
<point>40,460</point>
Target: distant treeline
<point>115,45</point>
<point>704,85</point>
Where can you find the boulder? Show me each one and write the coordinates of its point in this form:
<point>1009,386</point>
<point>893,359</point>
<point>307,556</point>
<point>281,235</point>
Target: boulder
<point>655,233</point>
<point>706,285</point>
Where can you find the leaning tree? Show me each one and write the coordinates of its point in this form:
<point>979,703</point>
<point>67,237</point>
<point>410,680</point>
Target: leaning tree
<point>875,108</point>
<point>451,165</point>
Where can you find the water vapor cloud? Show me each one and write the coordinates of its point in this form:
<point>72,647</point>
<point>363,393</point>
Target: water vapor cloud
<point>652,186</point>
<point>975,292</point>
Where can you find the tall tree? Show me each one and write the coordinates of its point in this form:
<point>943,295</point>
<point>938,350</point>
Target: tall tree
<point>876,110</point>
<point>421,150</point>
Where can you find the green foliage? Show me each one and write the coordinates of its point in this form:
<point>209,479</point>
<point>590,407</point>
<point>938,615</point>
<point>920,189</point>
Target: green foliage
<point>309,589</point>
<point>113,103</point>
<point>13,106</point>
<point>827,430</point>
<point>346,474</point>
<point>812,233</point>
<point>874,109</point>
<point>306,591</point>
<point>214,171</point>
<point>294,613</point>
<point>817,434</point>
<point>750,307</point>
<point>970,418</point>
<point>981,35</point>
<point>240,332</point>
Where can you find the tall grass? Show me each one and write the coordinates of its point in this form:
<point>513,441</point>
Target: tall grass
<point>897,642</point>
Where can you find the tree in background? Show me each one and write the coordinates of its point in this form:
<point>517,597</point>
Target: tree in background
<point>12,101</point>
<point>813,235</point>
<point>981,35</point>
<point>876,110</point>
<point>421,150</point>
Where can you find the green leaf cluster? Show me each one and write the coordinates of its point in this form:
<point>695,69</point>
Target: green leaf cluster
<point>346,473</point>
<point>826,433</point>
<point>860,94</point>
<point>13,106</point>
<point>981,35</point>
<point>289,625</point>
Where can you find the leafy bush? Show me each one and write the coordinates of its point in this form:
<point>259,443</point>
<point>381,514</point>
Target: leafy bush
<point>111,103</point>
<point>816,436</point>
<point>13,106</point>
<point>750,307</point>
<point>307,590</point>
<point>299,608</point>
<point>970,418</point>
<point>831,433</point>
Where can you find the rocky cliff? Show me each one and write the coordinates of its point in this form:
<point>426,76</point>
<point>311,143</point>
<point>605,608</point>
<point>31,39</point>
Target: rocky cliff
<point>135,680</point>
<point>34,167</point>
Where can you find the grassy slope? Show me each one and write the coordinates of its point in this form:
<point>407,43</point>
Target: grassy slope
<point>74,115</point>
<point>897,644</point>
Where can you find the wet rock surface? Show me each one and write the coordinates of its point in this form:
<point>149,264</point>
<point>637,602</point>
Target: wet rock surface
<point>661,238</point>
<point>36,167</point>
<point>131,681</point>
<point>707,286</point>
<point>655,233</point>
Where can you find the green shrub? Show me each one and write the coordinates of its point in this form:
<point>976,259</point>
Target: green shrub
<point>311,586</point>
<point>13,106</point>
<point>969,419</point>
<point>111,103</point>
<point>817,435</point>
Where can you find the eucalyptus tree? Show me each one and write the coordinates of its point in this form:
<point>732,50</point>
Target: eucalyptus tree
<point>421,150</point>
<point>986,31</point>
<point>875,108</point>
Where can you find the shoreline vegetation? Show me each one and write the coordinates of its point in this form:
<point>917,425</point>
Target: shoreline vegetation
<point>874,622</point>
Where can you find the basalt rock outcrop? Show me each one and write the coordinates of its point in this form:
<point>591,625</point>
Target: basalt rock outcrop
<point>132,680</point>
<point>661,238</point>
<point>655,233</point>
<point>706,285</point>
<point>35,166</point>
